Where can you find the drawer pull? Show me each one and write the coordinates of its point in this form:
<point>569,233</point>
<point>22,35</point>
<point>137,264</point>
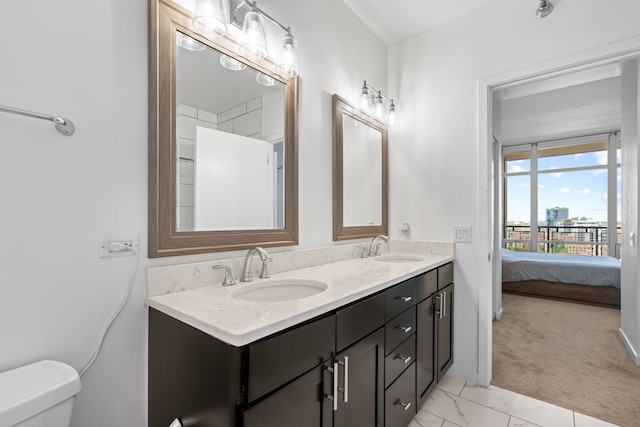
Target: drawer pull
<point>405,359</point>
<point>405,406</point>
<point>405,329</point>
<point>345,389</point>
<point>334,396</point>
<point>403,299</point>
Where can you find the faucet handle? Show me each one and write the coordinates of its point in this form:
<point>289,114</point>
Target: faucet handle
<point>228,277</point>
<point>364,253</point>
<point>264,274</point>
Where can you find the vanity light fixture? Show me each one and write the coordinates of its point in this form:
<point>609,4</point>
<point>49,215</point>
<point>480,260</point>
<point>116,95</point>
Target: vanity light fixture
<point>544,9</point>
<point>373,101</point>
<point>255,41</point>
<point>186,42</point>
<point>265,80</point>
<point>255,46</point>
<point>209,18</point>
<point>288,63</point>
<point>231,63</point>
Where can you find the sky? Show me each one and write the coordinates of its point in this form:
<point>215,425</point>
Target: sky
<point>583,192</point>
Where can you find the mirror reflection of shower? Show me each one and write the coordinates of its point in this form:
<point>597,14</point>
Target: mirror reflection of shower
<point>230,151</point>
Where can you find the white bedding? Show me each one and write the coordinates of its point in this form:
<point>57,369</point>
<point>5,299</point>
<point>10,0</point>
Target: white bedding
<point>579,269</point>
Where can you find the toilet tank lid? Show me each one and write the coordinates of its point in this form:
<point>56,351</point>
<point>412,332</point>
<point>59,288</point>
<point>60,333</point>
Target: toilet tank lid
<point>31,389</point>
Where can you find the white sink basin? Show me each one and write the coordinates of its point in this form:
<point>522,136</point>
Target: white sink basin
<point>280,290</point>
<point>397,258</point>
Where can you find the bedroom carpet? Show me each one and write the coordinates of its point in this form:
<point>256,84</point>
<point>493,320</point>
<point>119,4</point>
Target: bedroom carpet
<point>566,354</point>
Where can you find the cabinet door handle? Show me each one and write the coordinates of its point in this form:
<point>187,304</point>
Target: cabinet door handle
<point>405,329</point>
<point>404,299</point>
<point>439,306</point>
<point>345,385</point>
<point>405,359</point>
<point>334,396</point>
<point>444,303</point>
<point>405,406</point>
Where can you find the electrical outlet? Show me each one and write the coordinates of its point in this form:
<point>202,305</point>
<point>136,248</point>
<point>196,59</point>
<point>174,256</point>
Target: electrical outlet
<point>119,246</point>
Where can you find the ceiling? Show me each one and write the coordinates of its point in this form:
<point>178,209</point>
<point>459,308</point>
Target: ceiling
<point>396,20</point>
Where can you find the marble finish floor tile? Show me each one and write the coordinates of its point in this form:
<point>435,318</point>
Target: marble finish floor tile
<point>426,419</point>
<point>517,422</point>
<point>451,384</point>
<point>522,407</point>
<point>463,412</point>
<point>587,421</point>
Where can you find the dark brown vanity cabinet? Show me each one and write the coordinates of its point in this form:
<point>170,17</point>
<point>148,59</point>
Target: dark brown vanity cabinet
<point>434,319</point>
<point>370,363</point>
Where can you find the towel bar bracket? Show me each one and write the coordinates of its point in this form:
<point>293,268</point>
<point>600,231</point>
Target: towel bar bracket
<point>63,125</point>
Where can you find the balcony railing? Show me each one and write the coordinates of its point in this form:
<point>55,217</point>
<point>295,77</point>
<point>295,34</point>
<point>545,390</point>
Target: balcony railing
<point>571,239</point>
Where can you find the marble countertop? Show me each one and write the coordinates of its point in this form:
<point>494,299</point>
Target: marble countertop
<point>215,311</point>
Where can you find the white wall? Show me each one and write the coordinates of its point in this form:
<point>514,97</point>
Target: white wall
<point>435,156</point>
<point>630,135</point>
<point>88,60</point>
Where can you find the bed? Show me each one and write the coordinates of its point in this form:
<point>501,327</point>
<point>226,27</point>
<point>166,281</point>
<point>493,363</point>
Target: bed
<point>574,278</point>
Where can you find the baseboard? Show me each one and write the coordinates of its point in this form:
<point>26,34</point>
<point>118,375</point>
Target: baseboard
<point>627,344</point>
<point>464,374</point>
<point>498,316</point>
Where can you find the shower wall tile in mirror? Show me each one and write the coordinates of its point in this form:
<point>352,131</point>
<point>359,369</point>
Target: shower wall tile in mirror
<point>229,145</point>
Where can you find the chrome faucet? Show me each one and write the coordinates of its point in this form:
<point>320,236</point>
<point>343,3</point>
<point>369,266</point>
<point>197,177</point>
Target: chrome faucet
<point>246,271</point>
<point>374,247</point>
<point>228,277</point>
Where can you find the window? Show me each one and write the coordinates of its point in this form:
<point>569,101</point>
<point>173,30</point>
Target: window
<point>561,191</point>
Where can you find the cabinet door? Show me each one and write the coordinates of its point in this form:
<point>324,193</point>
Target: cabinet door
<point>425,356</point>
<point>444,321</point>
<point>300,403</point>
<point>361,395</point>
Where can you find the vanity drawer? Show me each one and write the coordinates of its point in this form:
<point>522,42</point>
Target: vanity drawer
<point>399,329</point>
<point>445,275</point>
<point>283,357</point>
<point>426,285</point>
<point>400,400</point>
<point>399,359</point>
<point>359,320</point>
<point>400,297</point>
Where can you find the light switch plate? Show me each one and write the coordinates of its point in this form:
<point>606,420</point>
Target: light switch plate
<point>462,233</point>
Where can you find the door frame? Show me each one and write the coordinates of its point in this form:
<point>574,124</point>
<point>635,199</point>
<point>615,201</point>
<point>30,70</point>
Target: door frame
<point>488,255</point>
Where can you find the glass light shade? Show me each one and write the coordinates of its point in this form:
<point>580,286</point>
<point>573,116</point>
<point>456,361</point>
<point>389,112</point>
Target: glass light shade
<point>378,106</point>
<point>186,42</point>
<point>231,63</point>
<point>392,114</point>
<point>365,101</point>
<point>209,18</point>
<point>255,42</point>
<point>265,80</point>
<point>288,61</point>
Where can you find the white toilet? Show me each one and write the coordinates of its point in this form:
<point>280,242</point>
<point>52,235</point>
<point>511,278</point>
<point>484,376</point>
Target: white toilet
<point>38,395</point>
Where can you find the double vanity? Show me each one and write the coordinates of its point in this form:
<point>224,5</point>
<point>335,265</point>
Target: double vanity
<point>329,339</point>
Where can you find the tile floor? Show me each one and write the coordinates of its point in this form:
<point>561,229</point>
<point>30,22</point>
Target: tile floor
<point>457,403</point>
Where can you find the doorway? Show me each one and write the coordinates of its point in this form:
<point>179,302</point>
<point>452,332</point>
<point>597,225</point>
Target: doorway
<point>489,272</point>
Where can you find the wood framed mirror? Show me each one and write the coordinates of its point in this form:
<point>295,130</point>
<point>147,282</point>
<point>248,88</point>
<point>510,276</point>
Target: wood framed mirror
<point>360,173</point>
<point>212,130</point>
